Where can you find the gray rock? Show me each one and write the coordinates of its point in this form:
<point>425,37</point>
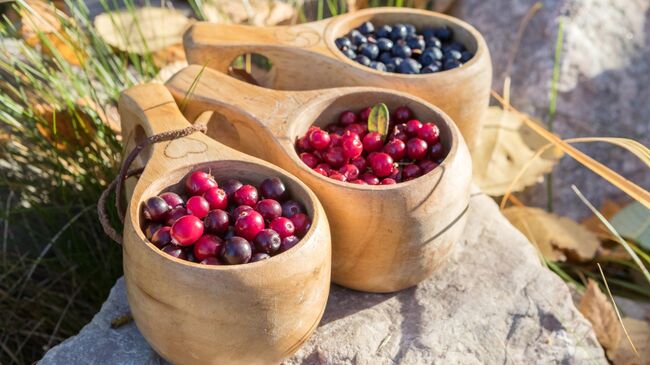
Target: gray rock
<point>492,303</point>
<point>604,83</point>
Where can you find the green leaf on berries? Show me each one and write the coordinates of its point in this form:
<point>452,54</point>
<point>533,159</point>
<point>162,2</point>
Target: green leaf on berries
<point>379,119</point>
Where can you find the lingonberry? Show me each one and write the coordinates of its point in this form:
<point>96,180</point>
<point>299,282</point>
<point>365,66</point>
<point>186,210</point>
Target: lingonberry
<point>401,135</point>
<point>172,199</point>
<point>161,237</point>
<point>319,139</point>
<point>395,174</point>
<point>427,166</point>
<point>335,157</point>
<point>370,179</point>
<point>284,226</point>
<point>230,186</point>
<point>150,228</point>
<point>246,195</point>
<point>352,147</point>
<point>236,212</point>
<point>198,206</point>
<point>259,257</point>
<point>436,151</point>
<point>410,172</point>
<point>381,164</point>
<point>388,181</point>
<point>430,133</point>
<point>372,141</point>
<point>248,224</point>
<point>216,198</point>
<point>309,159</point>
<point>237,250</point>
<point>396,148</point>
<point>338,176</point>
<point>156,209</point>
<point>303,144</point>
<point>321,171</point>
<point>336,139</point>
<point>350,171</point>
<point>359,129</point>
<point>360,163</point>
<point>291,208</point>
<point>359,182</point>
<point>186,230</point>
<point>364,114</point>
<point>325,167</point>
<point>216,222</point>
<point>175,214</point>
<point>301,223</point>
<point>273,188</point>
<point>199,182</point>
<point>403,114</point>
<point>175,251</point>
<point>416,149</point>
<point>210,261</point>
<point>207,246</point>
<point>267,241</point>
<point>347,118</point>
<point>269,209</point>
<point>413,127</point>
<point>287,243</point>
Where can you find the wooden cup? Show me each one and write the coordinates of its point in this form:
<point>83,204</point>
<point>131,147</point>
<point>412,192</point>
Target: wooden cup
<point>304,57</point>
<point>256,313</point>
<point>384,238</point>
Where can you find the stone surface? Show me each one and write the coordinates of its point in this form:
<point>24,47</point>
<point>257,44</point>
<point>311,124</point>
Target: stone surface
<point>492,303</point>
<point>604,81</point>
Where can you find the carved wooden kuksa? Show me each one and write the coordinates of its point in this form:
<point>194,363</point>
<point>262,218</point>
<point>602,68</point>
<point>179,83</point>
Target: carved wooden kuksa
<point>256,313</point>
<point>304,57</point>
<point>384,238</point>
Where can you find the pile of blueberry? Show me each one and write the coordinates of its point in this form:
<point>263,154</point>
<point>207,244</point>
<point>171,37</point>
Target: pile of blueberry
<point>346,151</point>
<point>403,49</point>
<point>225,224</point>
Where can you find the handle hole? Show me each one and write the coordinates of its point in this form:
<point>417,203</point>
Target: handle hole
<point>253,68</point>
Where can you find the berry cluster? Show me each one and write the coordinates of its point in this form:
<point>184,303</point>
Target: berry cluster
<point>345,151</point>
<point>402,49</point>
<point>225,224</point>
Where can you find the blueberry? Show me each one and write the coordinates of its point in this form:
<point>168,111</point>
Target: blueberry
<point>357,37</point>
<point>450,63</point>
<point>466,56</point>
<point>366,28</point>
<point>384,44</point>
<point>453,54</point>
<point>402,51</point>
<point>432,41</point>
<point>384,31</point>
<point>384,57</point>
<point>410,29</point>
<point>369,50</point>
<point>363,60</point>
<point>430,55</point>
<point>399,32</point>
<point>342,43</point>
<point>378,66</point>
<point>409,66</point>
<point>349,53</point>
<point>455,46</point>
<point>393,64</point>
<point>428,32</point>
<point>430,69</point>
<point>415,42</point>
<point>391,68</point>
<point>443,33</point>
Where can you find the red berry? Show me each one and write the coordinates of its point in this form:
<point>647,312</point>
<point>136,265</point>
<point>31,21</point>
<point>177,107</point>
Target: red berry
<point>410,172</point>
<point>372,142</point>
<point>303,144</point>
<point>430,133</point>
<point>350,171</point>
<point>309,159</point>
<point>331,128</point>
<point>402,136</point>
<point>319,139</point>
<point>352,147</point>
<point>396,174</point>
<point>302,223</point>
<point>198,206</point>
<point>151,228</point>
<point>335,157</point>
<point>246,195</point>
<point>239,210</point>
<point>325,167</point>
<point>199,182</point>
<point>335,140</point>
<point>248,224</point>
<point>175,214</point>
<point>364,114</point>
<point>337,176</point>
<point>187,230</point>
<point>210,261</point>
<point>269,209</point>
<point>360,163</point>
<point>216,222</point>
<point>291,208</point>
<point>402,114</point>
<point>347,118</point>
<point>267,241</point>
<point>156,209</point>
<point>413,127</point>
<point>236,251</point>
<point>321,171</point>
<point>284,226</point>
<point>207,246</point>
<point>259,257</point>
<point>388,181</point>
<point>370,179</point>
<point>216,198</point>
<point>416,149</point>
<point>437,151</point>
<point>427,166</point>
<point>359,182</point>
<point>162,237</point>
<point>381,164</point>
<point>287,243</point>
<point>230,186</point>
<point>175,251</point>
<point>172,199</point>
<point>273,188</point>
<point>396,148</point>
<point>357,128</point>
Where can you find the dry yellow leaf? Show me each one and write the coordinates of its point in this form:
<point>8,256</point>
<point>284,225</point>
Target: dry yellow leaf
<point>597,308</point>
<point>557,238</point>
<point>143,30</point>
<point>505,146</point>
<point>255,12</point>
<point>623,354</point>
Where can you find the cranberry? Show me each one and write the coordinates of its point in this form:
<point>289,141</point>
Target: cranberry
<point>357,128</point>
<point>335,140</point>
<point>381,164</point>
<point>190,254</point>
<point>364,114</point>
<point>388,181</point>
<point>401,135</point>
<point>370,179</point>
<point>319,139</point>
<point>230,186</point>
<point>331,128</point>
<point>175,251</point>
<point>303,144</point>
<point>325,167</point>
<point>347,118</point>
<point>198,206</point>
<point>359,182</point>
<point>267,241</point>
<point>162,237</point>
<point>210,261</point>
<point>216,222</point>
<point>187,230</point>
<point>372,141</point>
<point>259,257</point>
<point>175,214</point>
<point>207,246</point>
<point>248,224</point>
<point>156,209</point>
<point>273,188</point>
<point>396,148</point>
<point>309,159</point>
<point>350,171</point>
<point>360,163</point>
<point>301,223</point>
<point>172,199</point>
<point>284,226</point>
<point>410,172</point>
<point>430,133</point>
<point>338,176</point>
<point>319,155</point>
<point>230,233</point>
<point>287,243</point>
<point>236,251</point>
<point>413,127</point>
<point>199,182</point>
<point>335,157</point>
<point>239,210</point>
<point>216,198</point>
<point>395,174</point>
<point>151,228</point>
<point>352,147</point>
<point>246,195</point>
<point>269,209</point>
<point>416,148</point>
<point>437,151</point>
<point>427,166</point>
<point>291,208</point>
<point>321,171</point>
<point>403,114</point>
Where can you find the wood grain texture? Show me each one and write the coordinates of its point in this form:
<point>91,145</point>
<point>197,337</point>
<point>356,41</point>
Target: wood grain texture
<point>384,238</point>
<point>257,313</point>
<point>304,57</point>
